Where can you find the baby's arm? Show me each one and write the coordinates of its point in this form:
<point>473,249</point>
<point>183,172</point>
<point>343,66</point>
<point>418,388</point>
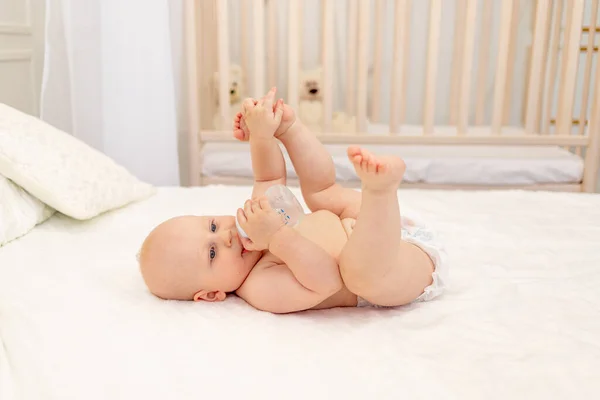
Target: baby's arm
<point>268,164</point>
<point>307,275</point>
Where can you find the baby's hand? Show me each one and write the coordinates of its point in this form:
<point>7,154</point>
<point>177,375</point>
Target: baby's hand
<point>264,117</point>
<point>260,222</point>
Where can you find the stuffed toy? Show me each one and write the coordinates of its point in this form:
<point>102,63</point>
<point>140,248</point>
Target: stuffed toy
<point>310,106</point>
<point>236,91</point>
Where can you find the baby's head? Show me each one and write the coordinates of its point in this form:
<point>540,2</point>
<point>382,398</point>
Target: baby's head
<point>195,258</point>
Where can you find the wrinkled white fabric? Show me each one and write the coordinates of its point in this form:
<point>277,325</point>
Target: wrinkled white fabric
<point>19,211</point>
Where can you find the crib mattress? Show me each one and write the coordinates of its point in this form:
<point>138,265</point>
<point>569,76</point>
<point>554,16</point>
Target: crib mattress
<point>466,165</point>
<point>520,319</point>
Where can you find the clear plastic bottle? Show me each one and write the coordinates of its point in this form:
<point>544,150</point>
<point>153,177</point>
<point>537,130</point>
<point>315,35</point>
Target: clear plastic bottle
<point>282,200</point>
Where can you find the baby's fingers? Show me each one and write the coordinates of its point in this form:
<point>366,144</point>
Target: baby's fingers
<point>248,104</point>
<point>278,110</point>
<point>241,216</point>
<point>248,208</point>
<point>264,203</point>
<point>267,101</point>
<point>247,243</point>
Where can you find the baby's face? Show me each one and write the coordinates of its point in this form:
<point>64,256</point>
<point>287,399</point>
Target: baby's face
<point>192,257</point>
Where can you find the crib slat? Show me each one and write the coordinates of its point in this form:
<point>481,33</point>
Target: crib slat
<point>327,60</point>
<point>501,66</point>
<point>551,77</point>
<point>400,64</point>
<point>465,79</point>
<point>259,47</point>
<point>511,61</point>
<point>592,156</point>
<point>351,57</point>
<point>543,93</point>
<point>567,89</point>
<point>192,27</point>
<point>588,69</point>
<point>363,43</point>
<point>536,65</point>
<point>435,13</point>
<point>484,55</point>
<point>244,46</point>
<point>377,61</point>
<point>565,46</point>
<point>272,37</point>
<point>223,40</point>
<point>293,52</point>
<point>457,59</point>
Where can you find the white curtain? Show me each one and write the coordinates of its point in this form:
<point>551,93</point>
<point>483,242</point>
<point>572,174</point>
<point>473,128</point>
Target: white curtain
<point>110,79</point>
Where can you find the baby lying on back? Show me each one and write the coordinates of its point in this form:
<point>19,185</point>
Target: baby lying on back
<point>352,249</point>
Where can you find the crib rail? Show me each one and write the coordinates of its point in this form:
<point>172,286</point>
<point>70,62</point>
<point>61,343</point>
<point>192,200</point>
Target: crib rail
<point>510,66</point>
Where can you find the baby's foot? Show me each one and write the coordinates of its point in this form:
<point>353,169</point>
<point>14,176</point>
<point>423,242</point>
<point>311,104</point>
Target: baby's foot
<point>287,120</point>
<point>377,173</point>
<point>240,130</point>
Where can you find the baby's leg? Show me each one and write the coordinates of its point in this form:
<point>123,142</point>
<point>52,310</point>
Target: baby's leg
<point>316,172</point>
<point>375,263</point>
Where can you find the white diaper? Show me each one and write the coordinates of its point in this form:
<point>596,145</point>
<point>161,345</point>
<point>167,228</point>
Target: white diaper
<point>415,231</point>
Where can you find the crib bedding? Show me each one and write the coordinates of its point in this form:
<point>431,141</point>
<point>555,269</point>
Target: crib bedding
<point>458,165</point>
<point>466,165</point>
<point>520,319</point>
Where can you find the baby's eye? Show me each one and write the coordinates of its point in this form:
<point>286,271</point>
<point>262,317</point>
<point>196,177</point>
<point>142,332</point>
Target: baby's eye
<point>213,227</point>
<point>213,253</point>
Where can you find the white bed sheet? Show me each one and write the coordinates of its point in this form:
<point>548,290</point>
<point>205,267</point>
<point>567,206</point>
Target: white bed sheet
<point>520,320</point>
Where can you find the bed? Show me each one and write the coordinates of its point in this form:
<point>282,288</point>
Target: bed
<point>520,319</point>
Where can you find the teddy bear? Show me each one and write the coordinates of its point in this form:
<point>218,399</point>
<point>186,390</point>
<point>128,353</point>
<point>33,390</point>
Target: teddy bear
<point>236,90</point>
<point>310,105</point>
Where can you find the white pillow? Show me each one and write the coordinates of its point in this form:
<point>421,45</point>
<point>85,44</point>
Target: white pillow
<point>19,211</point>
<point>62,171</point>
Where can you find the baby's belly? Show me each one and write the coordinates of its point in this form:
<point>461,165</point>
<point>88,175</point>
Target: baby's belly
<point>325,229</point>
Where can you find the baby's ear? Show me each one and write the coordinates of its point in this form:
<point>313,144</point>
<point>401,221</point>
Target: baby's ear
<point>205,295</point>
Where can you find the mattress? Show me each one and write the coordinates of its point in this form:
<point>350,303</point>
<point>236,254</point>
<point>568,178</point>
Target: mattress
<point>459,165</point>
<point>520,319</point>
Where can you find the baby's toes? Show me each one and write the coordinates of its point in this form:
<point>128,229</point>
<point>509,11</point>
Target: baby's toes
<point>353,151</point>
<point>372,166</point>
<point>368,155</point>
<point>364,165</point>
<point>357,160</point>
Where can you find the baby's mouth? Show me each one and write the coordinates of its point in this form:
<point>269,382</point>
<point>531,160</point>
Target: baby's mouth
<point>244,251</point>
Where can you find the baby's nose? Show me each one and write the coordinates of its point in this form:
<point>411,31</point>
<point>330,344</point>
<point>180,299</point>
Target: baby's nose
<point>226,237</point>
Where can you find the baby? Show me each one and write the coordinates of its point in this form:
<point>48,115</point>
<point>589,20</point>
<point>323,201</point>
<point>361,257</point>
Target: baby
<point>353,249</point>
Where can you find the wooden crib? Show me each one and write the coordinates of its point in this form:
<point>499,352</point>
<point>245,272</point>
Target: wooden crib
<point>516,75</point>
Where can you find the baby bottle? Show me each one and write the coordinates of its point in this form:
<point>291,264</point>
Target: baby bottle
<point>282,200</point>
